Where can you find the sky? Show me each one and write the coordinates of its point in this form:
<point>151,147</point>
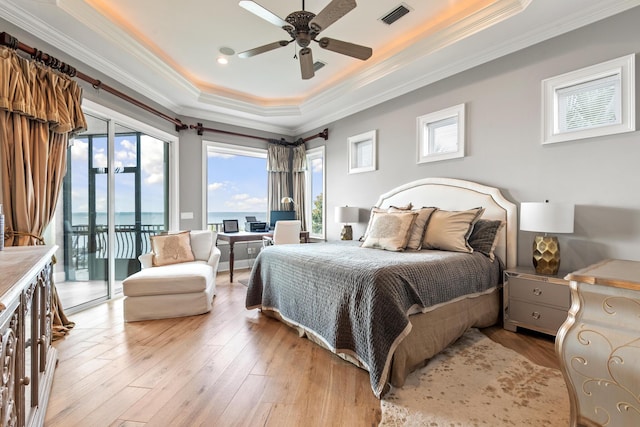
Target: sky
<point>152,174</point>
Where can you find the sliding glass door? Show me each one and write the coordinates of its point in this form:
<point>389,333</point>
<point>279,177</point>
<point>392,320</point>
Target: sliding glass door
<point>115,195</point>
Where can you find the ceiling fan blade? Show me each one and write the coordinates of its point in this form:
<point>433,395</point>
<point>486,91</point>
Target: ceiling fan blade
<point>346,48</point>
<point>263,13</point>
<point>306,63</point>
<point>331,13</point>
<point>262,49</point>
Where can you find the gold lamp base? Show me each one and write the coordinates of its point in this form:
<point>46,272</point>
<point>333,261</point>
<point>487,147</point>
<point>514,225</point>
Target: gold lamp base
<point>347,233</point>
<point>546,255</point>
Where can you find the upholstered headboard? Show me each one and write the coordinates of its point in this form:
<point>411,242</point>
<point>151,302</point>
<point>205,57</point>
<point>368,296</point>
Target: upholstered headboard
<point>456,194</point>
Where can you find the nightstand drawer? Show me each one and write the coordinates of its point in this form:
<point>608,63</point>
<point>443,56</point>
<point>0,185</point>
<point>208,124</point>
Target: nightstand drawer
<point>536,316</point>
<point>539,292</point>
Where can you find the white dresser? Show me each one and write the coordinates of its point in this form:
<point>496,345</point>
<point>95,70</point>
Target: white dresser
<point>27,357</point>
<point>599,345</point>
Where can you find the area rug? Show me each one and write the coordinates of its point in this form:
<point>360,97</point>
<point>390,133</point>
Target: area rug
<point>478,382</point>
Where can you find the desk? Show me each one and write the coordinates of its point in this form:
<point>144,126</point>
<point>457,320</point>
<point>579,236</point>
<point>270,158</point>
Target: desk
<point>247,236</point>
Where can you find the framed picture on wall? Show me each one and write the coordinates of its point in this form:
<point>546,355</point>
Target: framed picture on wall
<point>362,152</point>
<point>230,225</point>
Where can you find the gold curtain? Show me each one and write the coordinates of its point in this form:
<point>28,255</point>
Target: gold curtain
<point>39,108</point>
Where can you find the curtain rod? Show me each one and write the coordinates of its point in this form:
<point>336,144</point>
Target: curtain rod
<point>201,129</point>
<point>48,60</point>
<point>56,64</point>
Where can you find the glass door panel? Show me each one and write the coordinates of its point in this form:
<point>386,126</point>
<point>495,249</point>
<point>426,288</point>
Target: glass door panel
<point>85,193</point>
<point>137,203</point>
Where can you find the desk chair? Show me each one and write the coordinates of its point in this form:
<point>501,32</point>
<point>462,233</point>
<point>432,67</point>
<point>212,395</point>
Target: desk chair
<point>285,232</point>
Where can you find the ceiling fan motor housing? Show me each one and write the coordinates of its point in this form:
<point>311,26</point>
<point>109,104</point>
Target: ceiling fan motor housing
<point>299,29</point>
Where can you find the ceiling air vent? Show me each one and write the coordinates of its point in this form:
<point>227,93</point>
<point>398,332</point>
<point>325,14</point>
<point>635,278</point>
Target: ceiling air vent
<point>395,14</point>
<point>317,65</point>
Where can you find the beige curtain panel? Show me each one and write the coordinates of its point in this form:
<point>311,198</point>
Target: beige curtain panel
<point>298,169</point>
<point>279,175</point>
<point>39,108</point>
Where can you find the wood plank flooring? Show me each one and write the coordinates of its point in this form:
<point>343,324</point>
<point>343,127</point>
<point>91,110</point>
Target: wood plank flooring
<point>230,367</point>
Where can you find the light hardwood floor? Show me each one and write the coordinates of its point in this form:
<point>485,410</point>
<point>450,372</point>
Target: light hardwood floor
<point>230,367</point>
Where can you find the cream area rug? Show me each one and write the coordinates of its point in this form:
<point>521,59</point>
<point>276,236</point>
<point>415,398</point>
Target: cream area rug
<point>478,382</point>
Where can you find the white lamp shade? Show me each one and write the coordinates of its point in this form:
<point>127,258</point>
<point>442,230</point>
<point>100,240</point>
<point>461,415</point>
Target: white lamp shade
<point>347,214</point>
<point>546,217</point>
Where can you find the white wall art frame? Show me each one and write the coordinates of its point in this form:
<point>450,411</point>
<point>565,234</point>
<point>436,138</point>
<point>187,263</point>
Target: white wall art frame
<point>593,101</point>
<point>441,135</point>
<point>363,156</point>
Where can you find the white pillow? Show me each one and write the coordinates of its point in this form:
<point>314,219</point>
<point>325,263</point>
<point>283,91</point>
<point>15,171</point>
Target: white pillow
<point>201,243</point>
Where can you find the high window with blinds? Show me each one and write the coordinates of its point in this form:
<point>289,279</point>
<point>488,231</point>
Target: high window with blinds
<point>594,101</point>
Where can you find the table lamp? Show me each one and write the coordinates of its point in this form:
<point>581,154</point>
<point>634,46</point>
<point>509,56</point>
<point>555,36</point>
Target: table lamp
<point>288,199</point>
<point>546,218</point>
<point>346,214</point>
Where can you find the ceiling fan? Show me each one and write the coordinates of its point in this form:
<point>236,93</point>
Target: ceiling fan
<point>304,27</point>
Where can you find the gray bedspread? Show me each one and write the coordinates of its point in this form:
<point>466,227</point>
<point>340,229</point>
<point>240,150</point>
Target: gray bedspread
<point>358,300</point>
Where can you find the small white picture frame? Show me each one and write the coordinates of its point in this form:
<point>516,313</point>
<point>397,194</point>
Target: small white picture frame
<point>363,152</point>
<point>440,135</point>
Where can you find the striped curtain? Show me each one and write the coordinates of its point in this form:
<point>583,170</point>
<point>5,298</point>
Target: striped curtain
<point>298,170</point>
<point>279,175</point>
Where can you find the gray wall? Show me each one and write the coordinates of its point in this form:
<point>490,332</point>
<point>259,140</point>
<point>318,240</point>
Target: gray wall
<point>503,145</point>
<point>599,175</point>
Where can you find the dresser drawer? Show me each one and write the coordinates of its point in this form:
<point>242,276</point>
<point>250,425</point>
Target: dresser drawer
<point>534,316</point>
<point>539,292</point>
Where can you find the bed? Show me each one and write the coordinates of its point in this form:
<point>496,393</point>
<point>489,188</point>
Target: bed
<point>389,312</point>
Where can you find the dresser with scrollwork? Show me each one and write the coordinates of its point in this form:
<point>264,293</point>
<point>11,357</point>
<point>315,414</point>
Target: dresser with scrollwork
<point>27,357</point>
<point>599,345</point>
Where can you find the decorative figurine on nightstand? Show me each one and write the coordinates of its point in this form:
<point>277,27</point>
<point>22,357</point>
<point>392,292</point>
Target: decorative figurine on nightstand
<point>546,218</point>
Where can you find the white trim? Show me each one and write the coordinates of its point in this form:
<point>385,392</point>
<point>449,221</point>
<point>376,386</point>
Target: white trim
<point>424,134</point>
<point>354,142</point>
<point>623,66</point>
<point>313,152</point>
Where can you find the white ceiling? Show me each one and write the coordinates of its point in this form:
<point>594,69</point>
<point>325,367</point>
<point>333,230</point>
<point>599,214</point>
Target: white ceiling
<point>167,50</point>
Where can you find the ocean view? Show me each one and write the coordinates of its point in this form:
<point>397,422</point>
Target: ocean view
<point>153,218</point>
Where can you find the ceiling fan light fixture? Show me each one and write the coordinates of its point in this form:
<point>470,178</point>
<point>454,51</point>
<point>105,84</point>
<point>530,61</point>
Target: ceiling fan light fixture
<point>222,60</point>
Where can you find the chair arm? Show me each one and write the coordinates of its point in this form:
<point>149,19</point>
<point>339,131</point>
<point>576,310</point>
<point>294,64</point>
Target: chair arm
<point>214,258</point>
<point>267,241</point>
<point>146,260</point>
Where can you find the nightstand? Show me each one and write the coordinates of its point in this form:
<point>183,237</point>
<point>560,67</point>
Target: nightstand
<point>535,301</point>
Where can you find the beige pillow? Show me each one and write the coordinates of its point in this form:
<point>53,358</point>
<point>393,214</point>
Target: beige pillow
<point>450,230</point>
<point>374,209</point>
<point>389,230</point>
<point>171,248</point>
<point>419,226</point>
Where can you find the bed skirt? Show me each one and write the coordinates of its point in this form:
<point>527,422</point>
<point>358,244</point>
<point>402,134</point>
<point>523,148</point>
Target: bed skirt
<point>431,332</point>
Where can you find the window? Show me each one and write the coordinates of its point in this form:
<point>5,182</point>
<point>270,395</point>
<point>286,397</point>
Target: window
<point>441,135</point>
<point>236,183</point>
<point>594,101</point>
<point>362,152</point>
<point>315,193</point>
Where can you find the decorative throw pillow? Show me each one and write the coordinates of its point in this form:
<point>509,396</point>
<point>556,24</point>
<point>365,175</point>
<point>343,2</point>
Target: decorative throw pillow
<point>449,230</point>
<point>389,230</point>
<point>484,236</point>
<point>171,248</point>
<point>419,226</point>
<point>406,207</point>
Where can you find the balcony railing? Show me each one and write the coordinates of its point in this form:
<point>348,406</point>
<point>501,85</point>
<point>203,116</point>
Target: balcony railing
<point>131,241</point>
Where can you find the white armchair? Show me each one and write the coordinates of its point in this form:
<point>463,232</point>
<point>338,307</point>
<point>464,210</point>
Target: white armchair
<point>174,290</point>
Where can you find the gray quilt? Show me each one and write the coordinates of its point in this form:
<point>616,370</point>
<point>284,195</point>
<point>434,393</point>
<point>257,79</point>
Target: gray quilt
<point>357,300</point>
